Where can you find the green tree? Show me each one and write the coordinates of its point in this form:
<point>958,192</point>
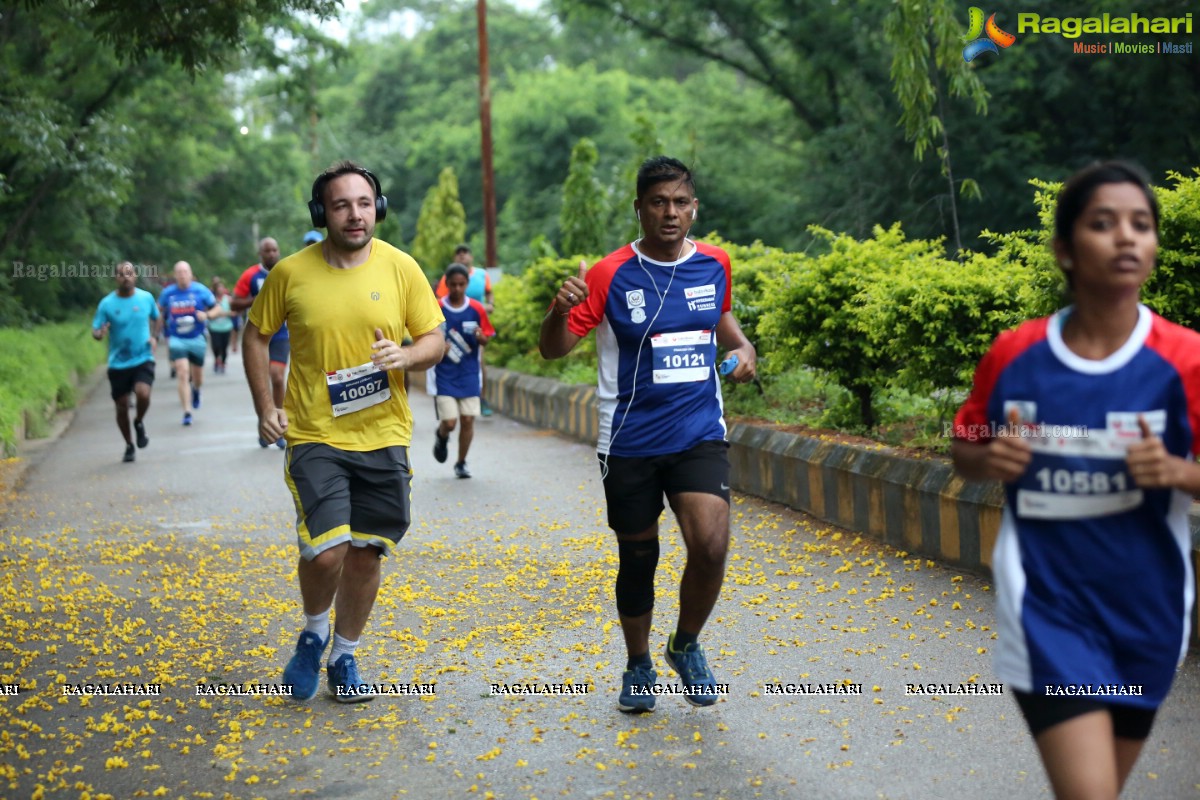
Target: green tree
<point>582,218</point>
<point>110,150</point>
<point>194,35</point>
<point>927,65</point>
<point>441,226</point>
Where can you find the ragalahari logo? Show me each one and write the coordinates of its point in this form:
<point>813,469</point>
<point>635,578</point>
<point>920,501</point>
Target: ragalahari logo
<point>978,43</point>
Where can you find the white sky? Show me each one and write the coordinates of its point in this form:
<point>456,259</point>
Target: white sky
<point>339,27</point>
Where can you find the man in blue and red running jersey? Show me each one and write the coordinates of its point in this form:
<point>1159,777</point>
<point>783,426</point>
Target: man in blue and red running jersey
<point>186,305</point>
<point>661,307</point>
<point>456,382</point>
<point>244,293</point>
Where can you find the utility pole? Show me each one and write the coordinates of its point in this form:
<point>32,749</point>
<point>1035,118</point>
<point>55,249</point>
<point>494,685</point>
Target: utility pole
<point>485,127</point>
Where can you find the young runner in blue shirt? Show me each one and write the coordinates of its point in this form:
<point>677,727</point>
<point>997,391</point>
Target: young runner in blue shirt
<point>457,382</point>
<point>1091,418</point>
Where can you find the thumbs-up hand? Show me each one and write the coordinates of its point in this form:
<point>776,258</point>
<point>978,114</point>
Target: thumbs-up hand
<point>573,291</point>
<point>1150,465</point>
<point>1008,453</point>
<point>387,354</point>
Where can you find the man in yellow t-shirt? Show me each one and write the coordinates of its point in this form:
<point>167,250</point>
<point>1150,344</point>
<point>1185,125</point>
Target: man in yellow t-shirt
<point>347,302</point>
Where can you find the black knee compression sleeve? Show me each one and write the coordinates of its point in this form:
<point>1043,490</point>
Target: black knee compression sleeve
<point>635,576</point>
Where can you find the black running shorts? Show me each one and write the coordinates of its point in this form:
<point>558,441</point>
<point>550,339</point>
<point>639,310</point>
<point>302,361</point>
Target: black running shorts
<point>348,496</point>
<point>122,381</point>
<point>634,485</point>
<point>1042,712</point>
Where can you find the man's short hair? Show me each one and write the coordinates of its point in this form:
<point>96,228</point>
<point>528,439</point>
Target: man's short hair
<point>457,269</point>
<point>658,169</point>
<point>337,170</point>
<point>462,248</point>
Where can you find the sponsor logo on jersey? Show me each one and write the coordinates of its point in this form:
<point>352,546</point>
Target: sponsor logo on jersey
<point>1124,424</point>
<point>1026,410</point>
<point>634,298</point>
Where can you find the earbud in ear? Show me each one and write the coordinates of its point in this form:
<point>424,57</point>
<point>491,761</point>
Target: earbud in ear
<point>638,213</point>
<point>1067,263</point>
<point>693,212</point>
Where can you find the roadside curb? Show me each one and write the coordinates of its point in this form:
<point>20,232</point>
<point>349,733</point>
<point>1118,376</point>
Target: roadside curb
<point>918,505</point>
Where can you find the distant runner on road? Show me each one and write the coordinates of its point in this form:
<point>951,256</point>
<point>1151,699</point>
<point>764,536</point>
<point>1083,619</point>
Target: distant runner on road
<point>456,383</point>
<point>185,306</point>
<point>244,292</point>
<point>125,316</point>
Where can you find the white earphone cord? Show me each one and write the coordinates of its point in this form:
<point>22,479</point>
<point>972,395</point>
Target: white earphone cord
<point>662,302</point>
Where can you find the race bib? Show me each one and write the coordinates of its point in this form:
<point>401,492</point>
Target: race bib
<point>356,388</point>
<point>185,324</point>
<point>1085,478</point>
<point>682,357</point>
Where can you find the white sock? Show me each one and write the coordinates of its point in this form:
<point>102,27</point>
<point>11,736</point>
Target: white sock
<point>318,624</point>
<point>341,646</point>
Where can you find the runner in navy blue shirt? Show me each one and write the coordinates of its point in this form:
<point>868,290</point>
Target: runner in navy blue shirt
<point>661,308</point>
<point>457,382</point>
<point>1091,418</point>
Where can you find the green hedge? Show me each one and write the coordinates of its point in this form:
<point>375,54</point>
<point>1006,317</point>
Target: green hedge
<point>884,328</point>
<point>39,369</point>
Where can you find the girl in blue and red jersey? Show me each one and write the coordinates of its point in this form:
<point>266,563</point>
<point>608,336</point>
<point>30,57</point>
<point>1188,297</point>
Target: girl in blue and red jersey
<point>1091,418</point>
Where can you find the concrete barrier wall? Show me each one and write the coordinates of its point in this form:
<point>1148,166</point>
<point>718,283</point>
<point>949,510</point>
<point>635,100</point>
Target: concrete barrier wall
<point>914,504</point>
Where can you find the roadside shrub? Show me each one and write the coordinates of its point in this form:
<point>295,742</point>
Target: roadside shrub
<point>753,266</point>
<point>817,311</point>
<point>934,318</point>
<point>521,304</point>
<point>1173,289</point>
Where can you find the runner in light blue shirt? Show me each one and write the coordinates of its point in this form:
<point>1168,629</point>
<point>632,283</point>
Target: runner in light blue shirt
<point>125,315</point>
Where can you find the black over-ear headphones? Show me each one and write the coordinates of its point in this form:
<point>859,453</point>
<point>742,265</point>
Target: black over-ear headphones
<point>316,206</point>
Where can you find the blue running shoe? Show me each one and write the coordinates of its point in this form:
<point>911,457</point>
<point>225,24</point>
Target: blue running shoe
<point>637,690</point>
<point>303,672</point>
<point>699,685</point>
<point>344,682</point>
<point>187,419</point>
<point>195,397</point>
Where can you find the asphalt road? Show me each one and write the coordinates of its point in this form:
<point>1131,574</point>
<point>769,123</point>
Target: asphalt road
<point>179,570</point>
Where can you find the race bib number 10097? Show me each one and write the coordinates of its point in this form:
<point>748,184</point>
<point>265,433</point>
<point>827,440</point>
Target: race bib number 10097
<point>356,388</point>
